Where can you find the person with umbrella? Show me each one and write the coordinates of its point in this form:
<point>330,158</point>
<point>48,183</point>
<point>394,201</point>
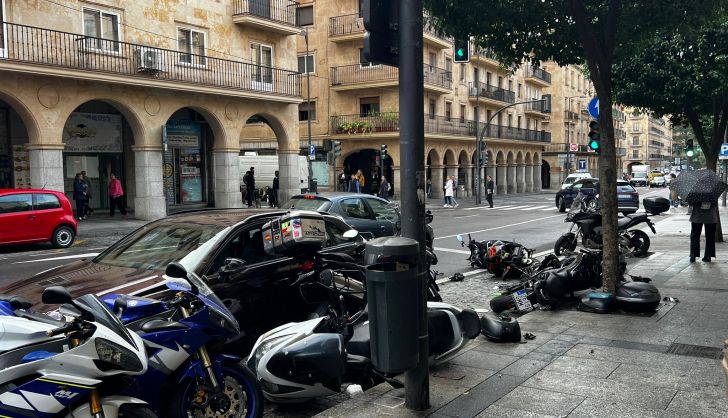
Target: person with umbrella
<point>701,189</point>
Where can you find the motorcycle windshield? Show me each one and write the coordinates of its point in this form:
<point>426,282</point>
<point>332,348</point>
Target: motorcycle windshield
<point>577,206</point>
<point>92,305</point>
<point>210,299</point>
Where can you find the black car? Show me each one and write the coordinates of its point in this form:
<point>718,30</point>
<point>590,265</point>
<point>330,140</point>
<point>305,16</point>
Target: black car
<point>628,200</point>
<point>370,215</point>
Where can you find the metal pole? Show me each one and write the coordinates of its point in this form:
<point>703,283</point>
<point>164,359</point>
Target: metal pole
<point>725,178</point>
<point>412,179</point>
<point>478,142</point>
<point>308,111</point>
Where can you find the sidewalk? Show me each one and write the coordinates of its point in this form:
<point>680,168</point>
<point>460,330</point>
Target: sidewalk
<point>590,365</point>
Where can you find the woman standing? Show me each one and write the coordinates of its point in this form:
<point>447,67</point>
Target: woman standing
<point>384,188</point>
<point>116,196</point>
<point>79,195</point>
<point>360,176</point>
<point>705,213</point>
<point>449,192</point>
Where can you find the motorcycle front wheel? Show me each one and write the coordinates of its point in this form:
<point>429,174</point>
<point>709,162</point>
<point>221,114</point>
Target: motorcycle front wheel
<point>639,242</point>
<point>565,244</point>
<point>240,398</point>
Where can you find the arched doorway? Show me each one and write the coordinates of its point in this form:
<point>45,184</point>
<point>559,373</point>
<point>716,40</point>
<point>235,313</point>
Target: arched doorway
<point>367,160</point>
<point>631,165</point>
<point>434,174</point>
<point>14,159</point>
<point>545,175</point>
<point>463,174</point>
<point>98,141</point>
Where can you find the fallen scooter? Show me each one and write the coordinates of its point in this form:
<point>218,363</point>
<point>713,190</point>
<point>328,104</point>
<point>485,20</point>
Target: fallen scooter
<point>505,259</point>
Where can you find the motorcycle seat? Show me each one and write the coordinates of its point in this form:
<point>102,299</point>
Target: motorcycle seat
<point>623,222</point>
<point>159,325</point>
<point>16,302</point>
<point>358,344</point>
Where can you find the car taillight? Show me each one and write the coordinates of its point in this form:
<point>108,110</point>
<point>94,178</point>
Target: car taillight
<point>307,265</point>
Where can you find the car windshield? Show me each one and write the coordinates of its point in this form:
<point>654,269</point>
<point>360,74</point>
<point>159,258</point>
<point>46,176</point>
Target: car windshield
<point>570,180</point>
<point>640,175</point>
<point>154,246</point>
<point>307,203</point>
<point>624,187</point>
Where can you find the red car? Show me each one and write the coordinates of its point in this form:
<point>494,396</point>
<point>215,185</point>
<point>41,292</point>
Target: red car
<point>29,215</point>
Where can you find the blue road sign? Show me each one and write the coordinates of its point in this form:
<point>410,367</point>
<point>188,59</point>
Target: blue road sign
<point>724,152</point>
<point>312,150</point>
<point>582,164</point>
<point>594,107</point>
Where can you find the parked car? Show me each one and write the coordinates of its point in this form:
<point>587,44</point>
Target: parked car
<point>201,241</point>
<point>368,214</point>
<point>655,173</point>
<point>627,196</point>
<point>658,181</point>
<point>30,215</point>
<point>573,178</point>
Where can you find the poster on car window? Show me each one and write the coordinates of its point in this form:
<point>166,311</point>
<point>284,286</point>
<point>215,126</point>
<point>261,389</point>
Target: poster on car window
<point>92,132</point>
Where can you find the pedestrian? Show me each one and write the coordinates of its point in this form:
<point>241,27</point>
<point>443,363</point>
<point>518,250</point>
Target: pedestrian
<point>79,195</point>
<point>448,193</point>
<point>116,196</point>
<point>674,199</point>
<point>354,184</point>
<point>362,181</point>
<point>87,184</point>
<point>489,187</point>
<point>454,201</point>
<point>429,187</point>
<point>342,181</point>
<point>705,213</point>
<point>249,180</point>
<point>384,188</point>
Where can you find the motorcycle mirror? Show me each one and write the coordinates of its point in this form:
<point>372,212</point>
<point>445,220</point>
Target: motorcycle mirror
<point>119,305</point>
<point>351,234</point>
<point>176,270</point>
<point>56,295</point>
<point>460,238</point>
<point>428,216</point>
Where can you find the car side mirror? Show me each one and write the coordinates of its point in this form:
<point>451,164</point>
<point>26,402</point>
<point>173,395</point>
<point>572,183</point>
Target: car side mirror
<point>56,295</point>
<point>176,270</point>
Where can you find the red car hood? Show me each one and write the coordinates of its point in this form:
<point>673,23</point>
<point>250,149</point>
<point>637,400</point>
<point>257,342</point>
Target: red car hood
<point>84,277</point>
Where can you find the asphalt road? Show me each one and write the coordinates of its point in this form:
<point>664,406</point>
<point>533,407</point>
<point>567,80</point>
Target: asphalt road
<point>532,220</point>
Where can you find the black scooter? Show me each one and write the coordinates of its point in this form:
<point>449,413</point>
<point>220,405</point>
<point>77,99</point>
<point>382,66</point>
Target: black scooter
<point>505,259</point>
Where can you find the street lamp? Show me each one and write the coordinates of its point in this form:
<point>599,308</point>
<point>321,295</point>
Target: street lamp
<point>304,33</point>
<point>568,133</point>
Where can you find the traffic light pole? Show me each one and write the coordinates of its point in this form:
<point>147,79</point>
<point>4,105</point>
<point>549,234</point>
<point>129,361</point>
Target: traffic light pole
<point>412,179</point>
<point>478,142</point>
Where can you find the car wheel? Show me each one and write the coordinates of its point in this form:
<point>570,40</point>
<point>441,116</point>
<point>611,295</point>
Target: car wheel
<point>591,204</point>
<point>63,237</point>
<point>561,204</point>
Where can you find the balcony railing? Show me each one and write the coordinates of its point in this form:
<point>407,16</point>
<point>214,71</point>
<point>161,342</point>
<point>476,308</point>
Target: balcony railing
<point>346,25</point>
<point>281,11</point>
<point>539,73</point>
<point>357,73</point>
<point>430,30</point>
<point>389,122</point>
<point>491,92</point>
<point>53,48</point>
<point>569,115</point>
<point>535,106</point>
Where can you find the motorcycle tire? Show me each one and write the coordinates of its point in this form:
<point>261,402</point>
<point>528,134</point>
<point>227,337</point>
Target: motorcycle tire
<point>564,244</point>
<point>502,303</point>
<point>135,411</point>
<point>240,387</point>
<point>643,239</point>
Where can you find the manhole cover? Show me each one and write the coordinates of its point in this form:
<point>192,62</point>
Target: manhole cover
<point>695,351</point>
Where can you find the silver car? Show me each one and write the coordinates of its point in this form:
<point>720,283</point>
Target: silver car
<point>658,181</point>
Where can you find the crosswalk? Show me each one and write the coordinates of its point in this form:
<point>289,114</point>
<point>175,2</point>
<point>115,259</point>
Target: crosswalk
<point>524,208</point>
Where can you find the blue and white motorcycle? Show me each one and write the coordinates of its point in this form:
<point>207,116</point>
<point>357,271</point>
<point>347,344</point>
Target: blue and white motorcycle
<point>57,368</point>
<point>184,379</point>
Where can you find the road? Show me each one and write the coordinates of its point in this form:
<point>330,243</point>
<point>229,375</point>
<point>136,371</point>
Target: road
<point>529,219</point>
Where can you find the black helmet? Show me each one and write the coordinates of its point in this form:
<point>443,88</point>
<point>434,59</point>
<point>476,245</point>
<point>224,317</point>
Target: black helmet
<point>500,328</point>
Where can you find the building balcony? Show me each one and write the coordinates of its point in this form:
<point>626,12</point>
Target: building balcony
<point>431,37</point>
<point>635,157</point>
<point>571,117</point>
<point>490,94</point>
<point>620,134</point>
<point>40,51</point>
<point>535,109</point>
<point>538,76</point>
<point>387,123</point>
<point>346,28</point>
<point>357,76</point>
<point>484,56</point>
<point>277,16</point>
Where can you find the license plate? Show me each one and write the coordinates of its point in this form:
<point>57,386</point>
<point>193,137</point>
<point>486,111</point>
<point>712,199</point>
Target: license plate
<point>522,302</point>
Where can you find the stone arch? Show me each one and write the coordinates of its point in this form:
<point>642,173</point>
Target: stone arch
<point>434,173</point>
<point>138,128</point>
<point>275,124</point>
<point>449,157</point>
<point>510,159</point>
<point>463,158</point>
<point>433,157</point>
<point>536,158</point>
<point>500,158</point>
<point>519,158</point>
<point>528,158</point>
<point>511,173</point>
<point>28,118</point>
<point>216,126</point>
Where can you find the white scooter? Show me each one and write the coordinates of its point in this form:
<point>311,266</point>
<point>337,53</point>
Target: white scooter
<point>51,368</point>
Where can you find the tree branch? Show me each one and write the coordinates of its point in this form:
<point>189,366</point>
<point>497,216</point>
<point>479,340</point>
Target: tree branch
<point>694,121</point>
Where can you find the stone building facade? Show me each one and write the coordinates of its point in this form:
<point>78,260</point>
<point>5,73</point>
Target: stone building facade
<point>649,141</point>
<point>157,93</point>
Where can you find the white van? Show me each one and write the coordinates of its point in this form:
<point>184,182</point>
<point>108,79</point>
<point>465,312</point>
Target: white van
<point>573,178</point>
<point>266,166</point>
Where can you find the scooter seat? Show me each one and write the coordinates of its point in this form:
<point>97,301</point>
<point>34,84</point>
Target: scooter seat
<point>358,344</point>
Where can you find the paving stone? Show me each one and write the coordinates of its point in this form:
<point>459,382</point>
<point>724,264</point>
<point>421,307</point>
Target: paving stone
<point>484,360</point>
<point>699,404</point>
<point>566,337</point>
<point>648,396</point>
<point>494,411</point>
<point>594,340</point>
<point>685,376</point>
<point>459,376</point>
<point>715,338</point>
<point>658,348</point>
<point>540,401</point>
<point>600,408</point>
<point>545,357</point>
<point>524,367</point>
<point>482,396</point>
<point>582,366</point>
<point>513,349</point>
<point>555,347</point>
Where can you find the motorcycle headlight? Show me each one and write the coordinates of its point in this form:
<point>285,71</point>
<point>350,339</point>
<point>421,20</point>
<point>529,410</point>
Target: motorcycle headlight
<point>264,348</point>
<point>112,356</point>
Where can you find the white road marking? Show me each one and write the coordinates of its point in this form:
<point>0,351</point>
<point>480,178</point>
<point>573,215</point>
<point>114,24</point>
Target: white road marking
<point>549,208</point>
<point>534,207</point>
<point>519,208</point>
<point>466,216</point>
<point>65,257</point>
<point>448,250</point>
<point>502,226</point>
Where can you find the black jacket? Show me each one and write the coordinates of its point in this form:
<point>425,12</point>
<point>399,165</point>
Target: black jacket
<point>276,184</point>
<point>705,216</point>
<point>490,186</point>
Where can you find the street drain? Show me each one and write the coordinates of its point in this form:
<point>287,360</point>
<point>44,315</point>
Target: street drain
<point>695,351</point>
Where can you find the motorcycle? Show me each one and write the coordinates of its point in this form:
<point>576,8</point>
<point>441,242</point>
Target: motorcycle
<point>60,368</point>
<point>300,361</point>
<point>177,334</point>
<point>505,259</point>
<point>588,224</point>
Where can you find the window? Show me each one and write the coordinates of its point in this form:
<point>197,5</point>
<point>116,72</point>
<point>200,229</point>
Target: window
<point>368,106</point>
<point>566,77</point>
<point>476,76</point>
<point>433,59</point>
<point>262,57</point>
<point>306,64</point>
<point>354,208</point>
<point>102,26</point>
<point>16,203</point>
<point>448,69</point>
<point>433,109</point>
<point>192,45</point>
<point>488,76</point>
<point>462,72</point>
<point>635,127</point>
<point>247,246</point>
<point>510,85</point>
<point>303,111</point>
<point>382,210</point>
<point>635,140</point>
<point>304,16</point>
<point>520,87</point>
<point>510,120</point>
<point>500,82</point>
<point>448,111</point>
<point>519,122</point>
<point>363,61</point>
<point>46,201</point>
<point>3,43</point>
<point>635,153</point>
<point>462,113</point>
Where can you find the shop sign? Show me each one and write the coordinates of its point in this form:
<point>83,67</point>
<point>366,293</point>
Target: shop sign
<point>183,134</point>
<point>92,132</point>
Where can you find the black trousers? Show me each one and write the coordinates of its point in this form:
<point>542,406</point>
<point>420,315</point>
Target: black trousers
<point>116,202</point>
<point>489,198</point>
<point>695,240</point>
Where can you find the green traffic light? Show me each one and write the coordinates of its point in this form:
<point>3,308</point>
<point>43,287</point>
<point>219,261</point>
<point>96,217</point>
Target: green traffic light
<point>460,52</point>
<point>690,153</point>
<point>593,144</point>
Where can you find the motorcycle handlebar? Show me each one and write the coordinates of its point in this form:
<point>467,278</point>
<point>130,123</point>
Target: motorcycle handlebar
<point>61,330</point>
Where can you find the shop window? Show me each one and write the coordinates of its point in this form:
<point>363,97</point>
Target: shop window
<point>191,44</point>
<point>303,112</point>
<point>306,64</point>
<point>101,28</point>
<point>304,16</point>
<point>368,106</point>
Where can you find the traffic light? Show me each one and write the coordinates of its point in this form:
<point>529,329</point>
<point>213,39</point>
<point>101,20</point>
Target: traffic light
<point>462,50</point>
<point>383,152</point>
<point>594,136</point>
<point>689,150</point>
<point>337,148</point>
<point>381,39</point>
